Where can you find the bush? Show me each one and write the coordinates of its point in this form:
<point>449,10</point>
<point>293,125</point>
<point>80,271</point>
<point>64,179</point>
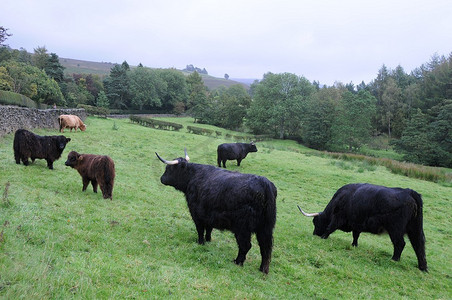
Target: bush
<point>200,131</point>
<point>11,98</point>
<point>156,124</point>
<point>95,110</point>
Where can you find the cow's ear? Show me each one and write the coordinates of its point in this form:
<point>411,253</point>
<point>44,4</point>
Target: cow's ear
<point>80,158</point>
<point>68,140</point>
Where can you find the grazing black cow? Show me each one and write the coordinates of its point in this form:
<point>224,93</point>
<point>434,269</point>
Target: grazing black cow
<point>30,145</point>
<point>218,198</point>
<point>233,151</point>
<point>362,207</point>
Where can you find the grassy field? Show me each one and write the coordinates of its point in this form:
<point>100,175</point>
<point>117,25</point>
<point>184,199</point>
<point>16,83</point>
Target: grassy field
<point>58,242</point>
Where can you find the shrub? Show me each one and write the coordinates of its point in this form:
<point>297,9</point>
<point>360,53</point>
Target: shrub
<point>95,110</point>
<point>200,131</point>
<point>11,98</point>
<point>156,124</point>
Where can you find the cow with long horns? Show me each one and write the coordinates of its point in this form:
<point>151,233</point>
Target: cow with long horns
<point>376,209</point>
<point>217,198</point>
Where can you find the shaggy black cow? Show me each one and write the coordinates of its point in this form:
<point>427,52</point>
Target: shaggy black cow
<point>30,145</point>
<point>233,151</point>
<point>217,198</point>
<point>97,169</point>
<point>375,209</point>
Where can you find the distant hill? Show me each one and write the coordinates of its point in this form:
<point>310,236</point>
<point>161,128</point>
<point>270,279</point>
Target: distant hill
<point>103,69</point>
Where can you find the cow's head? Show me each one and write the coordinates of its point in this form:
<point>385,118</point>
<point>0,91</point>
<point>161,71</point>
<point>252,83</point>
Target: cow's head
<point>176,173</point>
<point>252,147</point>
<point>320,222</point>
<point>82,127</point>
<point>61,142</point>
<point>73,158</point>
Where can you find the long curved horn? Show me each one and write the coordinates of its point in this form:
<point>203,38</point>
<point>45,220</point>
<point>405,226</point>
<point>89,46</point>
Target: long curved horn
<point>172,162</point>
<point>186,155</point>
<point>306,214</point>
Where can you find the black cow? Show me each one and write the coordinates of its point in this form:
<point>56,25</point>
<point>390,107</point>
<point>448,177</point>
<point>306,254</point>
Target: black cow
<point>233,151</point>
<point>218,198</point>
<point>30,145</point>
<point>376,209</point>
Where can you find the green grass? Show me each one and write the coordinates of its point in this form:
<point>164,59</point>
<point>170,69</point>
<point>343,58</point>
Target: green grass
<point>57,242</point>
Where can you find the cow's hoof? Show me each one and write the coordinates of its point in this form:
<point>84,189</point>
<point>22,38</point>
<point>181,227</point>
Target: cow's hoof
<point>237,262</point>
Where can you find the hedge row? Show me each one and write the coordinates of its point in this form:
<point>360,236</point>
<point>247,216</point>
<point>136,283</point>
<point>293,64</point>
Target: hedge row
<point>11,98</point>
<point>95,110</point>
<point>157,124</point>
<point>202,131</point>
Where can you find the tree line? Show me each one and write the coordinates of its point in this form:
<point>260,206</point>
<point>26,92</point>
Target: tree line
<point>413,110</point>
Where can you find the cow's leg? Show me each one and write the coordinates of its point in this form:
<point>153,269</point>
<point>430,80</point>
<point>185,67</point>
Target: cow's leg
<point>417,240</point>
<point>398,242</point>
<point>17,157</point>
<point>94,184</point>
<point>355,238</point>
<point>49,164</point>
<point>200,230</point>
<point>219,162</point>
<point>85,183</point>
<point>238,161</point>
<point>244,241</point>
<point>265,240</point>
<point>208,233</point>
<point>105,193</point>
<point>224,163</point>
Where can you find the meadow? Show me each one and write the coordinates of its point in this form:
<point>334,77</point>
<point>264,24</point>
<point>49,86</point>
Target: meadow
<point>59,242</point>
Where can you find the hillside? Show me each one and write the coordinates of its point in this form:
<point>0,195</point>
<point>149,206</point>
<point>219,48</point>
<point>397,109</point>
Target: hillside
<point>103,69</point>
<point>57,242</point>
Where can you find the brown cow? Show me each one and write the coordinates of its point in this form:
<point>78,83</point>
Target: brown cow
<point>70,121</point>
<point>99,169</point>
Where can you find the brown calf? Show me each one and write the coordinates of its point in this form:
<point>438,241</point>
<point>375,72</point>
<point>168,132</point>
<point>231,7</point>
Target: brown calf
<point>99,169</point>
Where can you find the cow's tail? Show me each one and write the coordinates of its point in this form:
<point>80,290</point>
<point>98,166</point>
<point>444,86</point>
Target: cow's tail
<point>415,231</point>
<point>264,233</point>
<point>16,145</point>
<point>109,176</point>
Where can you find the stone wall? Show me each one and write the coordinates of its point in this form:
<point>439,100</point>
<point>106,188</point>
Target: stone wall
<point>14,117</point>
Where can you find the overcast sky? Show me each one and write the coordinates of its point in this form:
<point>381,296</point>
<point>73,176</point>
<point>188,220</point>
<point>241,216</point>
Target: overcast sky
<point>323,40</point>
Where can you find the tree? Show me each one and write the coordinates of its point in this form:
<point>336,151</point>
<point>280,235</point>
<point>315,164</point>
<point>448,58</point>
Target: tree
<point>352,126</point>
<point>40,57</point>
<point>414,141</point>
<point>176,87</point>
<point>318,117</point>
<point>6,82</point>
<point>117,86</point>
<point>277,104</point>
<point>226,76</point>
<point>227,107</point>
<point>146,87</point>
<point>4,35</point>
<point>197,99</point>
<point>391,101</point>
<point>53,68</point>
<point>179,108</point>
<point>102,100</point>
